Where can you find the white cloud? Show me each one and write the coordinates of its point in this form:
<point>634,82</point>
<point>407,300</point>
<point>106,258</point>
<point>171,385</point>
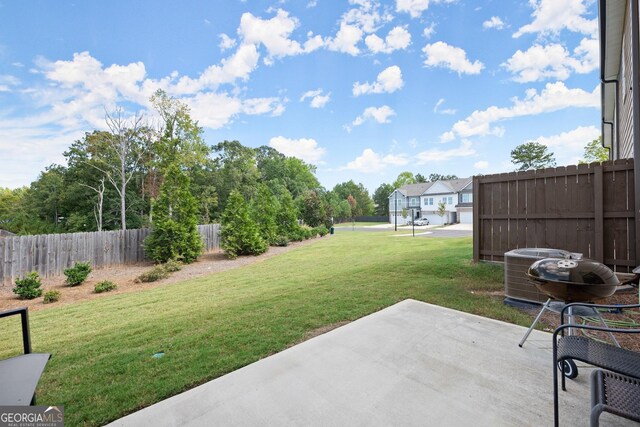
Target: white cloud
<point>553,61</point>
<point>568,147</point>
<point>380,115</point>
<point>440,54</point>
<point>356,23</point>
<point>436,155</point>
<point>368,162</point>
<point>416,7</point>
<point>78,91</point>
<point>494,22</point>
<point>482,164</point>
<point>226,42</point>
<point>388,81</point>
<point>214,110</point>
<point>238,66</point>
<point>397,38</point>
<point>554,96</point>
<point>274,34</point>
<point>587,56</point>
<point>7,82</point>
<point>366,16</point>
<point>346,40</point>
<point>553,16</point>
<point>303,148</point>
<point>396,160</point>
<point>437,109</point>
<point>540,62</point>
<point>429,31</point>
<point>318,99</point>
<point>412,7</point>
<point>371,162</point>
<point>26,148</point>
<point>259,106</point>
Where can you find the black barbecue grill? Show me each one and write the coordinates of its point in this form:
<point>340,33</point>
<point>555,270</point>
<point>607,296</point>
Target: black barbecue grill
<point>571,280</point>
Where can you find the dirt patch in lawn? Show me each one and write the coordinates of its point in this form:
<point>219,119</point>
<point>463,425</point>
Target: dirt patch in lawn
<point>124,277</point>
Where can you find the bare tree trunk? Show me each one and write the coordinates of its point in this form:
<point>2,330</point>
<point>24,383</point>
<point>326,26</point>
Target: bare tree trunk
<point>123,144</point>
<point>123,199</point>
<point>97,209</point>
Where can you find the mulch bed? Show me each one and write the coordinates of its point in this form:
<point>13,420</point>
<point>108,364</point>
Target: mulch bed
<point>550,320</point>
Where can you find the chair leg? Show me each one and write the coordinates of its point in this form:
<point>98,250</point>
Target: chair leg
<point>556,421</point>
<point>595,414</point>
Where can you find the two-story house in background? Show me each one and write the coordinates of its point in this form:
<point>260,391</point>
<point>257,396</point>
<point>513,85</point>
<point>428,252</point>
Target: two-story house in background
<point>422,200</point>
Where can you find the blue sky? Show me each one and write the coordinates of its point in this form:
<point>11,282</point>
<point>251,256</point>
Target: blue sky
<point>362,89</point>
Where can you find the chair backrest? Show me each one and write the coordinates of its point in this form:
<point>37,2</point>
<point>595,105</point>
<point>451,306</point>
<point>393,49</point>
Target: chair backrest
<point>24,317</point>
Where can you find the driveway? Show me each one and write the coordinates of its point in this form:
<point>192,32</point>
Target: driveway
<point>411,364</point>
<point>456,230</point>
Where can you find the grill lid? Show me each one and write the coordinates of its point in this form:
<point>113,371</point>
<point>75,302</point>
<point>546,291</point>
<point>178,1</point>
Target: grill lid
<point>580,271</point>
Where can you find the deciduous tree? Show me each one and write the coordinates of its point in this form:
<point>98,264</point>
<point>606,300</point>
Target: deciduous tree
<point>532,155</point>
<point>364,205</point>
<point>595,152</point>
<point>381,198</point>
<point>433,177</point>
<point>403,179</point>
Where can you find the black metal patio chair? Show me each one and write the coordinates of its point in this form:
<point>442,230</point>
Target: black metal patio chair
<point>596,353</point>
<point>19,375</point>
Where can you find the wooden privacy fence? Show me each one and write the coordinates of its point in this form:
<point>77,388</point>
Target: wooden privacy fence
<point>50,254</point>
<point>585,208</point>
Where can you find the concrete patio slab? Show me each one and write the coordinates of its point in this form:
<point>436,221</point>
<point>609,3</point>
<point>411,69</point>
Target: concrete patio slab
<point>412,364</point>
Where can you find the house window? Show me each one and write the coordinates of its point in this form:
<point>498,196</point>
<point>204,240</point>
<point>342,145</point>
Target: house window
<point>428,201</point>
<point>414,201</point>
<point>447,200</point>
<point>467,197</point>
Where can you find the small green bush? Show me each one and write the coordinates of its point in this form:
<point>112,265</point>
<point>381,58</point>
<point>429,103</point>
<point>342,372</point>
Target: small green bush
<point>156,273</point>
<point>105,286</point>
<point>321,230</point>
<point>78,273</point>
<point>29,286</point>
<point>51,296</point>
<point>172,266</point>
<point>281,240</point>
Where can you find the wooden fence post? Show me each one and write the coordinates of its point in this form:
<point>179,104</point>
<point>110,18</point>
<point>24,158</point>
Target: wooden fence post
<point>598,198</point>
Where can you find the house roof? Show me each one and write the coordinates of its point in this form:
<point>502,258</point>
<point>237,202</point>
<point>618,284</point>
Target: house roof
<point>458,185</point>
<point>414,190</point>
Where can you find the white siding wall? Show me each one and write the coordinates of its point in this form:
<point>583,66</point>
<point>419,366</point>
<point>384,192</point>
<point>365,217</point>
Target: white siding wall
<point>626,98</point>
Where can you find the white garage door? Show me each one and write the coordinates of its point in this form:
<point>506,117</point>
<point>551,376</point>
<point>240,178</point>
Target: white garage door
<point>466,217</point>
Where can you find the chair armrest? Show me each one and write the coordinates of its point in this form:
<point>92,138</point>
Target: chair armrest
<point>24,317</point>
<point>584,304</point>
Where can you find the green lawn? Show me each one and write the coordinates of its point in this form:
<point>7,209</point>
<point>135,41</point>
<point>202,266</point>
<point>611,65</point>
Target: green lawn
<point>102,367</point>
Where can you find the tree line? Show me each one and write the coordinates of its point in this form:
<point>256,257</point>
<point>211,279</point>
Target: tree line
<point>134,173</point>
